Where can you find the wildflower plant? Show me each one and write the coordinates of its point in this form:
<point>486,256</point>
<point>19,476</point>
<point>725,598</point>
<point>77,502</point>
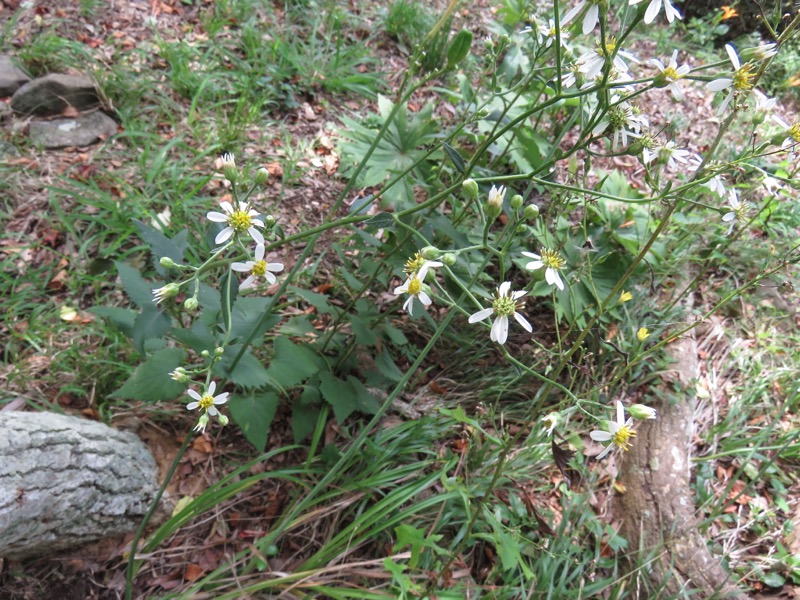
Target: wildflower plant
<point>447,219</point>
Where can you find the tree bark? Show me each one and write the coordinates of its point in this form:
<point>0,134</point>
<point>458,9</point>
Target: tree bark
<point>658,505</point>
<point>66,481</point>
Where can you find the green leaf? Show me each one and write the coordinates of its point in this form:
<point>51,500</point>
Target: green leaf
<point>254,412</point>
<point>292,363</point>
<point>458,162</point>
<point>382,220</point>
<point>459,48</point>
<point>198,337</point>
<point>247,312</point>
<point>150,381</point>
<point>339,394</point>
<point>365,402</point>
<point>394,334</point>
<point>122,318</point>
<point>317,300</point>
<point>161,245</point>
<point>387,367</point>
<point>139,291</point>
<point>363,330</point>
<point>150,323</point>
<point>248,373</point>
<point>305,413</point>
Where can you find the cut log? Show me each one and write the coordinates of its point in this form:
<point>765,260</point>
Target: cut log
<point>658,509</point>
<point>66,481</point>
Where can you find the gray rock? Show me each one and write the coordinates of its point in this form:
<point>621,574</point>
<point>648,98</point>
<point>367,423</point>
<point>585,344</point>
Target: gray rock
<point>80,131</point>
<point>51,94</point>
<point>7,151</point>
<point>11,77</point>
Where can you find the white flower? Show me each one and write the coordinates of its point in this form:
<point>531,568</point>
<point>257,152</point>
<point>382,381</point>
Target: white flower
<point>257,268</point>
<point>591,63</point>
<point>670,155</point>
<point>764,51</point>
<point>550,31</point>
<point>503,306</point>
<point>238,220</point>
<point>415,288</point>
<point>738,210</point>
<point>764,106</point>
<point>773,185</point>
<point>655,7</point>
<point>551,420</point>
<point>202,422</point>
<point>550,259</point>
<point>670,74</point>
<point>589,19</point>
<point>739,80</point>
<point>163,293</point>
<point>207,401</point>
<point>621,121</point>
<point>792,132</point>
<point>642,412</point>
<point>496,196</point>
<point>618,432</point>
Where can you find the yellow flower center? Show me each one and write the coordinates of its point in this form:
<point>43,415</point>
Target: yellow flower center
<point>742,77</point>
<point>741,211</point>
<point>206,402</point>
<point>240,221</point>
<point>611,45</point>
<point>671,74</point>
<point>259,268</point>
<point>553,31</point>
<point>414,264</point>
<point>414,286</point>
<point>622,437</point>
<point>504,306</point>
<point>794,132</point>
<point>551,259</point>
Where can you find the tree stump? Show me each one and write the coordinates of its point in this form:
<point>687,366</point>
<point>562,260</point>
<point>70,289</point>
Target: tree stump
<point>66,481</point>
<point>658,505</point>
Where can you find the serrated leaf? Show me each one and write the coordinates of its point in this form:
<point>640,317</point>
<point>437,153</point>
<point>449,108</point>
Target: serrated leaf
<point>254,413</point>
<point>365,402</point>
<point>387,367</point>
<point>122,318</point>
<point>150,381</point>
<point>247,312</point>
<point>292,363</point>
<point>382,220</point>
<point>248,372</point>
<point>364,331</point>
<point>150,323</point>
<point>458,162</point>
<point>138,290</point>
<point>305,413</point>
<point>339,394</point>
<point>161,245</point>
<point>198,337</point>
<point>315,299</point>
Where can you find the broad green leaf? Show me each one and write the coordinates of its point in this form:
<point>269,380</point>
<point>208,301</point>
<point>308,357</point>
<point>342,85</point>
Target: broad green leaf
<point>150,381</point>
<point>363,330</point>
<point>292,363</point>
<point>387,367</point>
<point>339,394</point>
<point>305,413</point>
<point>247,312</point>
<point>365,402</point>
<point>382,220</point>
<point>150,323</point>
<point>315,299</point>
<point>161,245</point>
<point>122,318</point>
<point>458,50</point>
<point>139,291</point>
<point>254,412</point>
<point>198,337</point>
<point>248,372</point>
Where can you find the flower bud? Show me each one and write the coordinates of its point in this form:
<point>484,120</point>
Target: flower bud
<point>449,259</point>
<point>642,412</point>
<point>430,252</point>
<point>269,220</point>
<point>223,420</point>
<point>166,262</point>
<point>516,202</point>
<point>205,354</point>
<point>531,212</point>
<point>219,351</point>
<point>522,228</point>
<point>190,303</point>
<point>228,165</point>
<point>470,188</point>
<point>262,175</point>
<point>168,291</point>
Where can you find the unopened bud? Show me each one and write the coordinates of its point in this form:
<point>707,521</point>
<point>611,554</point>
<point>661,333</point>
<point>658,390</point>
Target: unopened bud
<point>269,220</point>
<point>166,262</point>
<point>190,303</point>
<point>522,228</point>
<point>516,202</point>
<point>223,420</point>
<point>531,212</point>
<point>642,412</point>
<point>205,354</point>
<point>470,188</point>
<point>430,252</point>
<point>449,259</point>
<point>219,350</point>
<point>262,175</point>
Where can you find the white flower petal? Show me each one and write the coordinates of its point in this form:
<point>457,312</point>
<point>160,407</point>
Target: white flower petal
<point>504,287</point>
<point>481,315</point>
<point>424,298</point>
<point>217,217</point>
<point>224,235</point>
<point>500,330</point>
<point>620,413</point>
<point>193,394</point>
<point>524,322</point>
<point>255,234</point>
<point>260,250</point>
<point>227,207</point>
<point>242,267</point>
<point>192,405</point>
<point>600,436</point>
<point>652,11</point>
<point>733,56</point>
<point>533,265</point>
<point>275,267</point>
<point>248,283</point>
<point>719,84</point>
<point>222,398</point>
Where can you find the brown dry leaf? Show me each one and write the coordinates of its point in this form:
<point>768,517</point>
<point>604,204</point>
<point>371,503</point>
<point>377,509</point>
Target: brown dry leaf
<point>193,572</point>
<point>275,169</point>
<point>203,444</point>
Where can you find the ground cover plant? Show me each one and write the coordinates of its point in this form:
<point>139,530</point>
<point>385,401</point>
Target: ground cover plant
<point>400,294</point>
